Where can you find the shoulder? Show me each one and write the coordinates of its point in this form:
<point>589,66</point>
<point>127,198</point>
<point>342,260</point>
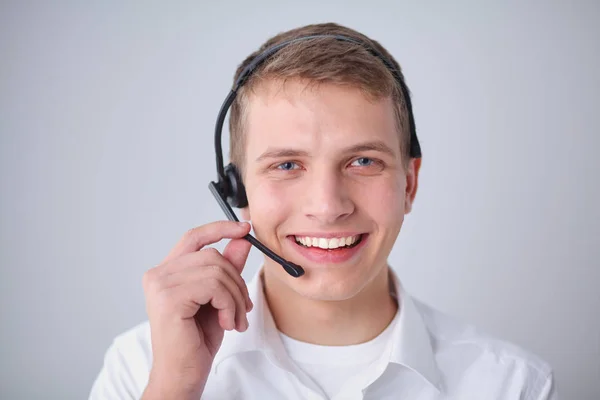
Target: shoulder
<point>134,347</point>
<point>478,355</point>
<point>136,339</point>
<point>126,366</point>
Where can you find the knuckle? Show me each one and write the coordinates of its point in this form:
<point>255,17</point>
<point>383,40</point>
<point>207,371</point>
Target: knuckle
<point>224,300</point>
<point>211,252</point>
<point>154,286</point>
<point>221,291</point>
<point>213,284</point>
<point>154,281</point>
<point>149,278</point>
<point>189,234</point>
<point>217,271</point>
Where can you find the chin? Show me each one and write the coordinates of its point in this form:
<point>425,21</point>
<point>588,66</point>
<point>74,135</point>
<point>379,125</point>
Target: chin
<point>329,284</point>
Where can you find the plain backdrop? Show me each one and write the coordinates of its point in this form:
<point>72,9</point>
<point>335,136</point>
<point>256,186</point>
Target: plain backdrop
<point>107,112</point>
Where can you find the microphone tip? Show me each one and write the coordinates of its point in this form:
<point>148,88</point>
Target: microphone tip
<point>294,270</point>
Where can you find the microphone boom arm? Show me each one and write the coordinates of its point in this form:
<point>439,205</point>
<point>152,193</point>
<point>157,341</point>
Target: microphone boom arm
<point>293,269</point>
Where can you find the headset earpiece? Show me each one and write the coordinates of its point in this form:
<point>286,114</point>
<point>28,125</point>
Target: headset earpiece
<point>234,187</point>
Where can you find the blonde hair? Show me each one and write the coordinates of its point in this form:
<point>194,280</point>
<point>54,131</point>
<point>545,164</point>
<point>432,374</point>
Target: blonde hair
<point>321,60</point>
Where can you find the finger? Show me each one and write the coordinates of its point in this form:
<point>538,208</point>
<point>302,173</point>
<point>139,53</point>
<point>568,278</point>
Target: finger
<point>214,292</point>
<point>222,302</point>
<point>236,252</point>
<point>213,332</point>
<point>202,280</point>
<point>241,321</point>
<point>205,257</point>
<point>195,239</point>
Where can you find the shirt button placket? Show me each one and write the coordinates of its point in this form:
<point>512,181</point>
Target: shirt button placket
<point>349,395</point>
<point>311,395</point>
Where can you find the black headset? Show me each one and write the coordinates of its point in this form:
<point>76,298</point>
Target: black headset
<point>229,190</point>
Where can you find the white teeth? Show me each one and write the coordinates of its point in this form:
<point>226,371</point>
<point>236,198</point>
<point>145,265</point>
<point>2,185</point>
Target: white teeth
<point>325,243</point>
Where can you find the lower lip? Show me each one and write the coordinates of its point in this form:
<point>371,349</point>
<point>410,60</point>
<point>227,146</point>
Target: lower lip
<point>323,256</point>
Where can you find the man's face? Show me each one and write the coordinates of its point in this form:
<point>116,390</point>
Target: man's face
<point>324,169</point>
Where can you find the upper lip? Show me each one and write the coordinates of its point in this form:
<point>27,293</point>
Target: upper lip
<point>326,235</point>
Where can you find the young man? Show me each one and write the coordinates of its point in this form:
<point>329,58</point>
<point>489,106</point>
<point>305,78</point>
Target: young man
<point>320,134</point>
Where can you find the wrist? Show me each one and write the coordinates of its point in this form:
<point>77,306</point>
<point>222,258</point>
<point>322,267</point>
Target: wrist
<point>171,388</point>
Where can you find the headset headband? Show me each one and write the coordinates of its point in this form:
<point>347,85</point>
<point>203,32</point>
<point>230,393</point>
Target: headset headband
<point>415,148</point>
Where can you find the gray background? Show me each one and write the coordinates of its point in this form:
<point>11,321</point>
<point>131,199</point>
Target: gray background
<point>107,114</point>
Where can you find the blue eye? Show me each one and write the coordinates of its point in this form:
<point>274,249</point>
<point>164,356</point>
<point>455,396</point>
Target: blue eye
<point>287,166</point>
<point>363,162</point>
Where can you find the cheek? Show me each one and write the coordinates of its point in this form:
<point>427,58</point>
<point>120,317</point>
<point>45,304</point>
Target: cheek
<point>268,205</point>
<point>384,201</point>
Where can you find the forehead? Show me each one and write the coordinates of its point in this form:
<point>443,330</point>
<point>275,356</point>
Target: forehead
<point>316,117</point>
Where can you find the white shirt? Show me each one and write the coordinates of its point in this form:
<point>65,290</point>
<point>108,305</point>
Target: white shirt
<point>429,356</point>
<point>337,368</point>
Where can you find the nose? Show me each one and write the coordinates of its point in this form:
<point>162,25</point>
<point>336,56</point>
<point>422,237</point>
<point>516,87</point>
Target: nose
<point>327,198</point>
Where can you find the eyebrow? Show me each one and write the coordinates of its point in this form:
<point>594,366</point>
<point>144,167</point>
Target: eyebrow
<point>376,145</point>
<point>281,153</point>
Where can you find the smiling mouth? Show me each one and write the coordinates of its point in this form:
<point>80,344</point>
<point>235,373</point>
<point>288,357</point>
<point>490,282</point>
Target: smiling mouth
<point>329,243</point>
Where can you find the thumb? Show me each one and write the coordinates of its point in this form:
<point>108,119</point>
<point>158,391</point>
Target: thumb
<point>236,252</point>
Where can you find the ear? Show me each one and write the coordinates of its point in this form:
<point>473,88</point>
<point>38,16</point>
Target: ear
<point>412,183</point>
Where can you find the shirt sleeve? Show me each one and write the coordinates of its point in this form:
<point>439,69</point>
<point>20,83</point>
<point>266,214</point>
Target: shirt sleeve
<point>548,390</point>
<point>121,376</point>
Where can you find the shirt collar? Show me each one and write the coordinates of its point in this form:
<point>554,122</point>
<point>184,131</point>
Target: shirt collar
<point>410,346</point>
<point>261,335</point>
<point>412,342</point>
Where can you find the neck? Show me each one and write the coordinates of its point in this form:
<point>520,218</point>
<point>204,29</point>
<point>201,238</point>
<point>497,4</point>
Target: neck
<point>332,323</point>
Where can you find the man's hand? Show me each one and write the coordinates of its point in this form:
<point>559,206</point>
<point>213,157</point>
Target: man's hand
<point>192,297</point>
